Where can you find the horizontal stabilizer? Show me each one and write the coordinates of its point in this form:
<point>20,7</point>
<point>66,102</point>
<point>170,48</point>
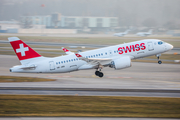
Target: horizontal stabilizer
<point>28,67</point>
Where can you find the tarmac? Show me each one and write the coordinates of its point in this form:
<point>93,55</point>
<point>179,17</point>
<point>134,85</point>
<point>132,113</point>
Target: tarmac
<point>141,76</point>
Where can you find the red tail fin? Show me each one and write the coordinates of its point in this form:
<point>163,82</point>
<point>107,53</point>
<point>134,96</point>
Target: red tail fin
<point>22,50</point>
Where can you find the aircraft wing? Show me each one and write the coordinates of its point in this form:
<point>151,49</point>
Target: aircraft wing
<point>95,61</point>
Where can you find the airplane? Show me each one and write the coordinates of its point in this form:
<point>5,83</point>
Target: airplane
<point>142,34</point>
<point>121,34</point>
<point>117,57</point>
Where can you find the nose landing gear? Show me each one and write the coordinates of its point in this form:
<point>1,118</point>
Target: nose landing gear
<point>159,61</point>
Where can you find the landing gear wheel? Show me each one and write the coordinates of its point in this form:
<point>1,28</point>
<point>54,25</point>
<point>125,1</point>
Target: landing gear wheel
<point>159,61</point>
<point>97,73</point>
<point>100,74</point>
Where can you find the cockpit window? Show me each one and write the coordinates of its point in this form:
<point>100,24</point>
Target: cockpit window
<point>160,43</point>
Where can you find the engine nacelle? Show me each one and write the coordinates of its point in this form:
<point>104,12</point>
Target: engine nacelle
<point>123,62</point>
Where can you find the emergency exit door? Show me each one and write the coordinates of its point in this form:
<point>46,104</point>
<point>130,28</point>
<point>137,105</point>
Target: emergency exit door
<point>150,46</point>
<point>51,65</point>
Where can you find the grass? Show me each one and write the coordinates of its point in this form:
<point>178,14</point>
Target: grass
<point>175,41</point>
<point>97,106</point>
<point>22,79</point>
<point>89,40</point>
<point>166,57</point>
<point>163,57</point>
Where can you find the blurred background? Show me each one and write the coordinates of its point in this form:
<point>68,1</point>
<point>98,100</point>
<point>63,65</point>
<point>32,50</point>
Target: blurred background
<point>90,16</point>
<point>81,25</point>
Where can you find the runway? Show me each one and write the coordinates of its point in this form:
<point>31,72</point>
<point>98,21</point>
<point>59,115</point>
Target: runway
<point>141,76</point>
<point>91,92</point>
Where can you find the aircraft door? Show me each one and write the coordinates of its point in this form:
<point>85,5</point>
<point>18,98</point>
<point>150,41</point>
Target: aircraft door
<point>51,65</point>
<point>150,46</point>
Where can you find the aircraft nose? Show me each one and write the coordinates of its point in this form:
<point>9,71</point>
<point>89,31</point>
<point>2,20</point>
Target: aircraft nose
<point>169,46</point>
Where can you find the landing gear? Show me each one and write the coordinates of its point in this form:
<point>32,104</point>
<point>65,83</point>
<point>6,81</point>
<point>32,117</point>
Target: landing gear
<point>159,61</point>
<point>98,73</point>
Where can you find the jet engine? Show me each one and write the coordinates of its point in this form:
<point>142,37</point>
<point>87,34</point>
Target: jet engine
<point>121,63</point>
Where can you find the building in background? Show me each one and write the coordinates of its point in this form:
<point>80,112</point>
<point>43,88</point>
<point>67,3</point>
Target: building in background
<point>9,26</point>
<point>57,23</point>
<point>72,22</point>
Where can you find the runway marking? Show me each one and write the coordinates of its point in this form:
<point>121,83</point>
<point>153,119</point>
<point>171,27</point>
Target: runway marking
<point>58,76</point>
<point>92,76</point>
<point>161,81</point>
<point>114,77</point>
<point>117,77</point>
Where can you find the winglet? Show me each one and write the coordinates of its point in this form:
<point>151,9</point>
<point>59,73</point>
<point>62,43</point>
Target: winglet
<point>78,55</point>
<point>66,51</point>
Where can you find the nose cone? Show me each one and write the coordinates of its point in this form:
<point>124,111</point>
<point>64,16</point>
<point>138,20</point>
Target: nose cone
<point>169,46</point>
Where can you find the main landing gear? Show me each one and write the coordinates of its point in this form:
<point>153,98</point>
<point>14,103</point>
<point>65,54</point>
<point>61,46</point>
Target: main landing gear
<point>159,61</point>
<point>99,73</point>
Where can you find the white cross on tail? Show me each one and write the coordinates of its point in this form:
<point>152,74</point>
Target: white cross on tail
<point>22,50</point>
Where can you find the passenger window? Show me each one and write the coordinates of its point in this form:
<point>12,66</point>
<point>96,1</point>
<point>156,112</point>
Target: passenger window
<point>59,62</point>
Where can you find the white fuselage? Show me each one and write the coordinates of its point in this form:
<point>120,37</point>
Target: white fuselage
<point>71,62</point>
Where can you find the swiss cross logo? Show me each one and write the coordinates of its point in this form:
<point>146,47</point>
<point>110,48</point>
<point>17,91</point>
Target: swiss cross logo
<point>66,50</point>
<point>22,50</point>
<point>78,55</point>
